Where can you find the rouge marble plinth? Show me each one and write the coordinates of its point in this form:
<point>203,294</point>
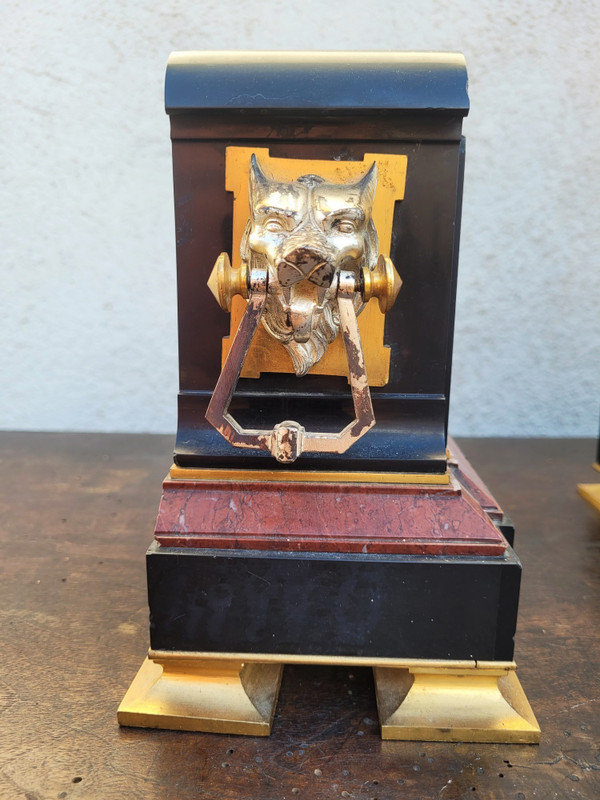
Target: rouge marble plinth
<point>327,517</point>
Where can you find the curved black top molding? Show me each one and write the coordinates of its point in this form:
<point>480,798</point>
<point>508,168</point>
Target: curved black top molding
<point>335,81</point>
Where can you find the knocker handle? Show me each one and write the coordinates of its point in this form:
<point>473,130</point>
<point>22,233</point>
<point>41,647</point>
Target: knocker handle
<point>287,440</point>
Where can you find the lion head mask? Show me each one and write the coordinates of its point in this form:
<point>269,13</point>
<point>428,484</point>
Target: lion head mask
<point>304,233</point>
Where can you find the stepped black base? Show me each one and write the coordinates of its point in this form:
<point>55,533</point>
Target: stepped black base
<point>326,604</point>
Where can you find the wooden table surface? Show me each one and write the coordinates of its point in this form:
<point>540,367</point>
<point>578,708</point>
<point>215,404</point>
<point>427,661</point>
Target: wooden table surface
<point>77,515</point>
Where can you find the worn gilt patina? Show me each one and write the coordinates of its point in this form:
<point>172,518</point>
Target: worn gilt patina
<point>310,261</point>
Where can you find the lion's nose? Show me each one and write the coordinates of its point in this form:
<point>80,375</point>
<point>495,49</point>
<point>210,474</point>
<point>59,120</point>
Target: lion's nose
<point>305,259</point>
<point>305,262</point>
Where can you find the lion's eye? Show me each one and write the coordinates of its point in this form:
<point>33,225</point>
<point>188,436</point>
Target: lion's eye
<point>345,226</point>
<point>274,226</point>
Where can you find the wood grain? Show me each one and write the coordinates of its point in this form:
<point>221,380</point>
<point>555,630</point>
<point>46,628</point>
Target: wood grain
<point>77,515</point>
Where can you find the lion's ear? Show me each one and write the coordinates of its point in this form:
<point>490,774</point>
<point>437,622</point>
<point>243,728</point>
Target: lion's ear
<point>367,186</point>
<point>245,252</point>
<point>258,183</point>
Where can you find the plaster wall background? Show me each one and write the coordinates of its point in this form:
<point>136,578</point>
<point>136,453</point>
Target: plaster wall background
<point>86,220</point>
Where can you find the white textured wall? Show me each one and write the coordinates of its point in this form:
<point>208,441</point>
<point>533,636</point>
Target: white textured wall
<point>87,244</point>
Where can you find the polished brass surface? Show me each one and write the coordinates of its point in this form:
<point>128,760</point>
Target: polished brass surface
<point>309,262</point>
<point>383,282</point>
<point>225,282</point>
<point>305,476</point>
<point>356,661</point>
<point>304,232</point>
<point>449,703</point>
<point>417,699</point>
<point>288,439</point>
<point>350,57</point>
<point>591,493</point>
<point>266,353</point>
<point>178,692</point>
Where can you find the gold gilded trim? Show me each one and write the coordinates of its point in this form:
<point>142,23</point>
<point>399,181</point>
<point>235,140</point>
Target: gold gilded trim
<point>417,699</point>
<point>266,354</point>
<point>211,695</point>
<point>485,704</point>
<point>336,660</point>
<point>351,57</point>
<point>305,476</point>
<point>591,493</point>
